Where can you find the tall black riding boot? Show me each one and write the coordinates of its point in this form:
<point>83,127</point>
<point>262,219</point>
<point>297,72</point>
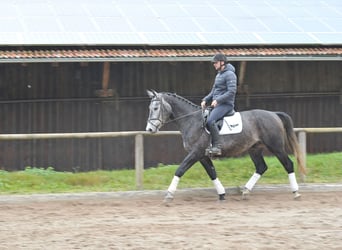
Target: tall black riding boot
<point>215,140</point>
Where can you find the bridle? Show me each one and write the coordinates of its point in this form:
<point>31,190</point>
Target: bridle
<point>161,114</point>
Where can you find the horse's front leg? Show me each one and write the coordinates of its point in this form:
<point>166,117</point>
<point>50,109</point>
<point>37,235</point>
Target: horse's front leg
<point>187,163</point>
<point>209,167</point>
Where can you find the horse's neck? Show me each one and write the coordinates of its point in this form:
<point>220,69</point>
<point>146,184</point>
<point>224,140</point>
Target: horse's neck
<point>188,118</point>
<point>186,115</point>
<point>181,109</point>
<point>180,106</point>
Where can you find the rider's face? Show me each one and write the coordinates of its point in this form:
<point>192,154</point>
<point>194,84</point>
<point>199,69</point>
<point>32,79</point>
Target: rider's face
<point>217,65</point>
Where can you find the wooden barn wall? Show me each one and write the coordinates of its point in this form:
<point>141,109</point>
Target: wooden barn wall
<point>56,98</point>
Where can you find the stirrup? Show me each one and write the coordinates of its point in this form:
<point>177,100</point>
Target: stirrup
<point>213,151</point>
<point>210,152</point>
<point>216,150</point>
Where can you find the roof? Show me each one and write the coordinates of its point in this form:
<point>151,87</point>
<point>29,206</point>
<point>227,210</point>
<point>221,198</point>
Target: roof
<point>169,54</point>
<point>170,22</point>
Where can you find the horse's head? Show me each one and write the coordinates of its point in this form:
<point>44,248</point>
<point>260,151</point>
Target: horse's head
<point>160,111</point>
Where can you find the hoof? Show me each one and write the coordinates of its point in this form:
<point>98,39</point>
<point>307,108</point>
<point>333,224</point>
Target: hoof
<point>297,195</point>
<point>168,198</point>
<point>245,193</point>
<point>222,197</point>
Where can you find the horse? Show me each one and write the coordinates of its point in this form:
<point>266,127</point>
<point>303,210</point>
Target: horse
<point>262,130</point>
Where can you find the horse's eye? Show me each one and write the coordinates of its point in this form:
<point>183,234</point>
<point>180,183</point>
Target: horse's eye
<point>156,108</point>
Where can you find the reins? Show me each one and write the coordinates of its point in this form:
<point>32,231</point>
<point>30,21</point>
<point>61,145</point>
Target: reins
<point>183,116</point>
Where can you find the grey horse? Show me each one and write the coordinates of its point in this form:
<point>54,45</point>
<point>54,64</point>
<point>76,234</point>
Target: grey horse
<point>261,129</point>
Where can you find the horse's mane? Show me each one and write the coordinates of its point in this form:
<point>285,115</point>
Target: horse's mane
<point>181,99</point>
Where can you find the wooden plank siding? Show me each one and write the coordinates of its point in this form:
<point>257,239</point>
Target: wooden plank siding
<point>57,98</point>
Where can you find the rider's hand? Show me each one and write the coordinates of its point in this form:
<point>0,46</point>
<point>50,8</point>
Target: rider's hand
<point>214,103</point>
<point>203,104</point>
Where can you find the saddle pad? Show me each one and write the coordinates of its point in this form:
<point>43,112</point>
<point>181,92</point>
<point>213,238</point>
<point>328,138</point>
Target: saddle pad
<point>231,124</point>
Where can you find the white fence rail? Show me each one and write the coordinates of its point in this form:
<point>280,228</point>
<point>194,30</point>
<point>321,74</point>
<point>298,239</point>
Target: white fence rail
<point>139,141</point>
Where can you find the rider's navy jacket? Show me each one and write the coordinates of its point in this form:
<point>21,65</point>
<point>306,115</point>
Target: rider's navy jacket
<point>224,88</point>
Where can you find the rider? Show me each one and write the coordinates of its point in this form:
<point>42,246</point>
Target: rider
<point>221,98</point>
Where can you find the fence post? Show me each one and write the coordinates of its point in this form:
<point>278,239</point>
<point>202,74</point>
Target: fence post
<point>139,161</point>
<point>302,147</point>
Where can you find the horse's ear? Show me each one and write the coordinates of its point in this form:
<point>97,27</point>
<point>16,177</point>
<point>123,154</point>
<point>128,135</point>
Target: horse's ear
<point>151,93</point>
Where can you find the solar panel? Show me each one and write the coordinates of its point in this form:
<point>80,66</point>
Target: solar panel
<point>280,24</point>
<point>173,38</point>
<point>102,10</point>
<point>200,11</point>
<point>136,10</point>
<point>68,8</point>
<point>43,38</point>
<point>148,24</point>
<point>328,38</point>
<point>291,11</point>
<point>311,25</point>
<point>42,24</point>
<point>8,10</point>
<point>10,25</point>
<point>232,12</point>
<point>249,24</point>
<point>261,10</point>
<point>167,22</point>
<point>322,11</point>
<point>112,24</point>
<point>34,9</point>
<point>77,24</point>
<point>9,38</point>
<point>108,38</point>
<point>334,23</point>
<point>210,24</point>
<point>234,38</point>
<point>168,10</point>
<point>287,38</point>
<point>182,24</point>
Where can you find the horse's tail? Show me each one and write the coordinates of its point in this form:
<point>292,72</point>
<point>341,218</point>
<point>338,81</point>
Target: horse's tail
<point>291,141</point>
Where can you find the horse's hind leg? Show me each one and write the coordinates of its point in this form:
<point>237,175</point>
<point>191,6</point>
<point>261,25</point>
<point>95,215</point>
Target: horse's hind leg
<point>288,165</point>
<point>260,168</point>
<point>209,167</point>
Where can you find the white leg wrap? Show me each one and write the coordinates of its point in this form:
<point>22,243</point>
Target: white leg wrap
<point>219,188</point>
<point>252,181</point>
<point>173,186</point>
<point>293,182</point>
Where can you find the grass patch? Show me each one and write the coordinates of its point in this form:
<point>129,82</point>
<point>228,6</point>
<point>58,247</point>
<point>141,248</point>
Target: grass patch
<point>322,168</point>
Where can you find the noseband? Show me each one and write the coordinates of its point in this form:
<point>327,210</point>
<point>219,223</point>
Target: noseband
<point>159,118</point>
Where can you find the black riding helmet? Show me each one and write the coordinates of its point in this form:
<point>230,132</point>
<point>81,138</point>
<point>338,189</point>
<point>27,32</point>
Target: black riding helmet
<point>219,57</point>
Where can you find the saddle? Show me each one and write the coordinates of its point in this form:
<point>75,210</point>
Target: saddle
<point>231,123</point>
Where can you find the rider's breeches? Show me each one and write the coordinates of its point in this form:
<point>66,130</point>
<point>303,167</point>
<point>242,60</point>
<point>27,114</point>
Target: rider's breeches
<point>218,113</point>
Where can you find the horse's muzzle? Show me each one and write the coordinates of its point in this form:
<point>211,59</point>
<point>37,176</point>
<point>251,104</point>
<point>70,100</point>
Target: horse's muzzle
<point>152,128</point>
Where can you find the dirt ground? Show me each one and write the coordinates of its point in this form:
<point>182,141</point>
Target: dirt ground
<point>267,220</point>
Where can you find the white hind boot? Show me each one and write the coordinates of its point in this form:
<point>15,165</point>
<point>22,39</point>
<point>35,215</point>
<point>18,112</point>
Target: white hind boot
<point>294,185</point>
